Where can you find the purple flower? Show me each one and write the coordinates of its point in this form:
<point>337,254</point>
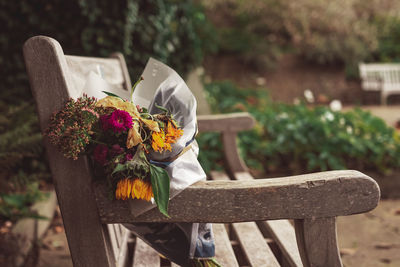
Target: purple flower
<point>128,157</point>
<point>118,121</point>
<point>100,154</point>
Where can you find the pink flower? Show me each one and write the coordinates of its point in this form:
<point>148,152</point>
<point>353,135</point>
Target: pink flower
<point>118,121</point>
<point>100,154</point>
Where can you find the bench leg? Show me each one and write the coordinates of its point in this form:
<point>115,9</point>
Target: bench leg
<point>317,242</point>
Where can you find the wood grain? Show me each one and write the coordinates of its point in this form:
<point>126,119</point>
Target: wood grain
<point>51,83</point>
<point>232,122</point>
<point>324,194</point>
<point>223,248</point>
<point>317,241</point>
<point>251,240</point>
<point>282,232</point>
<point>144,255</point>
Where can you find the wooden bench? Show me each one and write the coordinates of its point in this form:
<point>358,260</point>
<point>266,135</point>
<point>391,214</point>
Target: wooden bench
<point>383,77</point>
<point>247,213</point>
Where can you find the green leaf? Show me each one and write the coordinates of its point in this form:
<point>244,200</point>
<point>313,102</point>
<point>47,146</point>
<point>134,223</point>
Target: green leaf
<point>160,183</point>
<point>111,94</point>
<point>119,168</point>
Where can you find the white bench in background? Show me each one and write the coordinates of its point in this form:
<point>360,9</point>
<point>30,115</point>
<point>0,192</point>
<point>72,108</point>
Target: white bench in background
<point>384,77</point>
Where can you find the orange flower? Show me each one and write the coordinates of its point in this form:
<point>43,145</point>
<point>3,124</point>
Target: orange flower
<point>134,188</point>
<point>162,141</point>
<point>173,133</point>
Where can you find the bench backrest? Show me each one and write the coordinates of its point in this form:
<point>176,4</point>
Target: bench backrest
<point>380,76</point>
<point>54,78</point>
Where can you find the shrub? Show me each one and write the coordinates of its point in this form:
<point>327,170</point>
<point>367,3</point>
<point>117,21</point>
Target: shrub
<point>323,32</point>
<point>388,39</point>
<point>298,138</point>
<point>176,32</point>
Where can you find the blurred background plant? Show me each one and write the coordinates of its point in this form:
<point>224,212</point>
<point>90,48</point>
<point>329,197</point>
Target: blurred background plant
<point>293,139</point>
<point>322,32</point>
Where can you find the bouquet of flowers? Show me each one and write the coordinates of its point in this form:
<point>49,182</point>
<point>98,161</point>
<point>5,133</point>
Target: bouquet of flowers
<point>118,135</point>
<point>146,150</point>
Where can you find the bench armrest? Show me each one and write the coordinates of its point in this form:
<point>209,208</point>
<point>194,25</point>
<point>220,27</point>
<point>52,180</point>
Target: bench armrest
<point>317,195</point>
<point>232,122</point>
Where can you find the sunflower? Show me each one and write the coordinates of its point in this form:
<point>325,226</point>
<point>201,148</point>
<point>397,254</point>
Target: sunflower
<point>134,188</point>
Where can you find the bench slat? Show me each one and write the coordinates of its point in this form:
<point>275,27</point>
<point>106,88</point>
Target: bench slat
<point>251,239</point>
<point>254,245</point>
<point>284,235</point>
<point>281,231</point>
<point>223,248</point>
<point>113,238</point>
<point>144,255</point>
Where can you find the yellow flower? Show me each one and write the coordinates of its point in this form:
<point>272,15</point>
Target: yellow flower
<point>134,188</point>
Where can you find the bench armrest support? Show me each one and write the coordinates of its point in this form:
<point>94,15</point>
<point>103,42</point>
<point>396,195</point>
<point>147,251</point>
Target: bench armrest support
<point>232,122</point>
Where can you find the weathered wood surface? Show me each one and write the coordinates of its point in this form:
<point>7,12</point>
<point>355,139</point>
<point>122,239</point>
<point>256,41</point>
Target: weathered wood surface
<point>254,245</point>
<point>144,255</point>
<point>233,122</point>
<point>281,231</point>
<point>317,241</point>
<point>232,158</point>
<point>283,234</point>
<point>317,195</point>
<point>126,81</point>
<point>250,238</point>
<point>223,248</point>
<point>51,83</point>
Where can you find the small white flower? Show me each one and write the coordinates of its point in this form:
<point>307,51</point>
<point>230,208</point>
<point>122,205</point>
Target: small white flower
<point>260,81</point>
<point>328,116</point>
<point>349,129</point>
<point>282,116</point>
<point>336,105</point>
<point>309,96</point>
<point>296,101</point>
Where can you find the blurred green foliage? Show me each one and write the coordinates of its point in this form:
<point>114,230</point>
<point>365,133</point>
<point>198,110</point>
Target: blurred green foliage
<point>14,206</point>
<point>296,138</point>
<point>389,39</point>
<point>174,31</point>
